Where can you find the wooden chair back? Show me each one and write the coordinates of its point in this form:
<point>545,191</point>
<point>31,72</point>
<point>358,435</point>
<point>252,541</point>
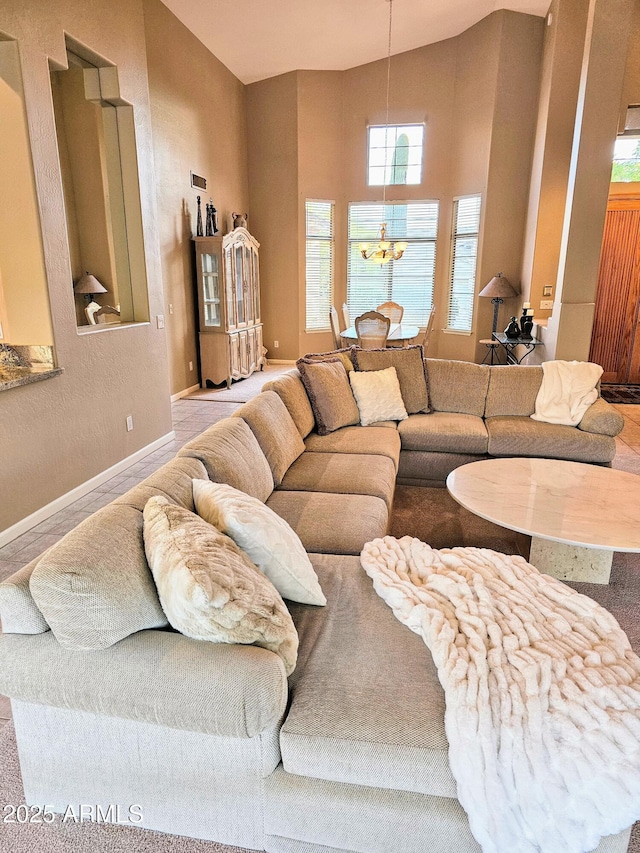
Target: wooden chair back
<point>335,327</point>
<point>372,329</point>
<point>428,330</point>
<point>345,315</point>
<point>391,310</point>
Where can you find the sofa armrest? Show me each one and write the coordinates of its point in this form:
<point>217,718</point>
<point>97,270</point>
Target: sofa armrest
<point>153,676</point>
<point>602,418</point>
<point>18,611</point>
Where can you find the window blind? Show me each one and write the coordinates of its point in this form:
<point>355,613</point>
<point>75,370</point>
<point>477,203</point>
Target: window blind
<point>464,254</point>
<point>320,262</point>
<point>408,281</point>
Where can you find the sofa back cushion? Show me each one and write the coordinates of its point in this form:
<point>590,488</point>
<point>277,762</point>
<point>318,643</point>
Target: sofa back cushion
<point>513,390</point>
<point>345,355</point>
<point>231,454</point>
<point>18,611</point>
<point>291,391</point>
<point>330,394</point>
<point>172,481</point>
<point>409,365</point>
<point>457,386</point>
<point>94,586</point>
<point>275,430</point>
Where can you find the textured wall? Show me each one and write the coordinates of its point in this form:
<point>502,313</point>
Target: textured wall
<point>59,433</point>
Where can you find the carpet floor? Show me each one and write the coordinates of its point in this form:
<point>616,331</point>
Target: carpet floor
<point>431,515</point>
<point>241,390</point>
<point>621,394</point>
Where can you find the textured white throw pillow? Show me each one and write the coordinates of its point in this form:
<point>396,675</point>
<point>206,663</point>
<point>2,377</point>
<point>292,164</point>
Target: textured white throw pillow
<point>267,539</point>
<point>378,396</point>
<point>208,588</point>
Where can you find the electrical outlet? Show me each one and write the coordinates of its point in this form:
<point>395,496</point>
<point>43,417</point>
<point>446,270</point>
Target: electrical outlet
<point>190,365</point>
<point>170,308</point>
<point>546,304</point>
<point>160,321</point>
<point>129,423</point>
<point>276,344</point>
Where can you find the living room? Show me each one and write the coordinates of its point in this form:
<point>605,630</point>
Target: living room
<point>498,99</point>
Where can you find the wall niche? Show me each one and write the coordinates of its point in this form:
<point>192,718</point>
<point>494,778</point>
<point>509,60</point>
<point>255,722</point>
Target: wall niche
<point>98,161</point>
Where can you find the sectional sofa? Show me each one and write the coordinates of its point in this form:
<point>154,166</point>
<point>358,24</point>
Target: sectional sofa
<point>212,741</point>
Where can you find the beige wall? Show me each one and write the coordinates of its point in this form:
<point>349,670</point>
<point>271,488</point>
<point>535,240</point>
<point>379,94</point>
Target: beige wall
<point>57,434</point>
<point>24,298</point>
<point>198,118</point>
<point>307,139</point>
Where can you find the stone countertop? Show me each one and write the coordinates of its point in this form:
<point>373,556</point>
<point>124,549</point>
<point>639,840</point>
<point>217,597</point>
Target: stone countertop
<point>13,377</point>
<point>22,365</point>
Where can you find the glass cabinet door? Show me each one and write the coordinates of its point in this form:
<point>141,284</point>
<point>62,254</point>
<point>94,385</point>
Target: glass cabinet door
<point>255,282</point>
<point>231,302</point>
<point>248,285</point>
<point>239,283</point>
<point>210,290</point>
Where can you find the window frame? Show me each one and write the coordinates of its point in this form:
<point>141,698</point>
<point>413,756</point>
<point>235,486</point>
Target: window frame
<point>388,167</point>
<point>320,240</point>
<point>358,302</point>
<point>454,237</point>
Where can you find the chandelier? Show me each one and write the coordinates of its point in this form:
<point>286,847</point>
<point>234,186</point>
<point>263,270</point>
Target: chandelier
<point>383,252</point>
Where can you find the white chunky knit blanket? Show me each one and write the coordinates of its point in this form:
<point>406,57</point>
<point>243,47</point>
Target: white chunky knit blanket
<point>542,694</point>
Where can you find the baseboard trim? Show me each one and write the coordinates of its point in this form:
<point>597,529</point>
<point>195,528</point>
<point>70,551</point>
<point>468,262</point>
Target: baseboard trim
<point>185,393</point>
<point>279,361</point>
<point>80,491</point>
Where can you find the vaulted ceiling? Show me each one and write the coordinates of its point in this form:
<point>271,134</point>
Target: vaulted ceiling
<point>257,39</point>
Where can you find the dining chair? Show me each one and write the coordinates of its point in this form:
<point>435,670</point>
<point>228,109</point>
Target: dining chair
<point>345,315</point>
<point>428,330</point>
<point>372,329</point>
<point>391,310</point>
<point>335,327</point>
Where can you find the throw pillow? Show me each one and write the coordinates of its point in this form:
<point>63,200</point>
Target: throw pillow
<point>343,354</point>
<point>209,589</point>
<point>266,539</point>
<point>409,364</point>
<point>378,396</point>
<point>329,392</point>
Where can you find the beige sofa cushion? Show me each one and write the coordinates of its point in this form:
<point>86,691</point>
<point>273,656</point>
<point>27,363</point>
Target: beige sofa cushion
<point>409,365</point>
<point>513,390</point>
<point>172,481</point>
<point>457,386</point>
<point>513,436</point>
<point>275,430</point>
<point>355,654</point>
<point>342,473</point>
<point>444,432</point>
<point>94,587</point>
<point>264,536</point>
<point>18,611</point>
<point>345,355</point>
<point>332,523</point>
<point>231,454</point>
<point>329,393</point>
<point>601,417</point>
<point>209,589</point>
<point>351,439</point>
<point>291,391</point>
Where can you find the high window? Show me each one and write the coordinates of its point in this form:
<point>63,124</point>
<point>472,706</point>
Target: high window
<point>408,281</point>
<point>320,261</point>
<point>464,254</point>
<point>626,159</point>
<point>395,154</point>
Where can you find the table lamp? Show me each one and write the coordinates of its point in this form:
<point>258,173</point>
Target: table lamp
<point>88,285</point>
<point>498,289</point>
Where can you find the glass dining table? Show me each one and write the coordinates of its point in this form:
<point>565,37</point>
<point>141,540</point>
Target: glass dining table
<point>398,333</point>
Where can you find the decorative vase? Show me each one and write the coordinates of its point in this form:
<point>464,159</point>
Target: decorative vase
<point>526,327</point>
<point>513,329</point>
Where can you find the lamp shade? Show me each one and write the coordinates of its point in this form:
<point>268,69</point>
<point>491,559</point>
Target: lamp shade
<point>500,287</point>
<point>88,284</point>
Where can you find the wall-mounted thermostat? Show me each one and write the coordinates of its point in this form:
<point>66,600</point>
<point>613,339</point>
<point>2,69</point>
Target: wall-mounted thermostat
<point>198,181</point>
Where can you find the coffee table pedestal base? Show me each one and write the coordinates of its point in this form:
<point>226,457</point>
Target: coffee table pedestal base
<point>570,562</point>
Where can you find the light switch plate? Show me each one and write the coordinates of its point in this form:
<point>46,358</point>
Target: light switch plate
<point>547,290</point>
<point>160,321</point>
<point>546,304</point>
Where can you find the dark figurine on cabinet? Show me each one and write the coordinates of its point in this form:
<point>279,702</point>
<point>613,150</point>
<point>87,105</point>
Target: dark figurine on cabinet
<point>199,229</point>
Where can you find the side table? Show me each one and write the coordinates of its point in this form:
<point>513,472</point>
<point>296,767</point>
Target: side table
<point>510,345</point>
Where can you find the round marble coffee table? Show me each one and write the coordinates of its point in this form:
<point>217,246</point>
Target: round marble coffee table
<point>576,514</point>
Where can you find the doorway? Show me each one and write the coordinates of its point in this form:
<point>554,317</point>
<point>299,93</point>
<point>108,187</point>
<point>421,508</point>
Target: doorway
<point>615,340</point>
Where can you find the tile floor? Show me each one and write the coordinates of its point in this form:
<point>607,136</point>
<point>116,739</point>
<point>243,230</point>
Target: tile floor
<point>191,417</point>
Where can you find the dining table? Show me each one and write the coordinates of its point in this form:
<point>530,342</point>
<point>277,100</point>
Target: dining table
<point>398,333</point>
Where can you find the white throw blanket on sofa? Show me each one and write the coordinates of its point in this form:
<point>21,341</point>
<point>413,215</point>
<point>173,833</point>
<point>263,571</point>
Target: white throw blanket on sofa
<point>542,694</point>
<point>567,390</point>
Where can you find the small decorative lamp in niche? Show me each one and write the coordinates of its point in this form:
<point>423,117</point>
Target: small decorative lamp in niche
<point>498,289</point>
<point>89,285</point>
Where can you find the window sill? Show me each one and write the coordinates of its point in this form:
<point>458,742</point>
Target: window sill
<point>10,379</point>
<point>457,332</point>
<point>109,327</point>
